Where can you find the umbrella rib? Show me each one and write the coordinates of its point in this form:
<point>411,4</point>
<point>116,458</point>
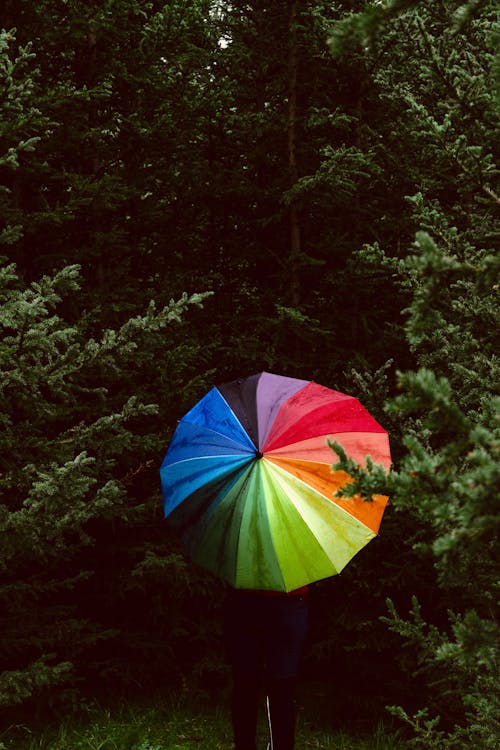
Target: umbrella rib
<point>213,455</point>
<point>224,456</point>
<point>222,434</point>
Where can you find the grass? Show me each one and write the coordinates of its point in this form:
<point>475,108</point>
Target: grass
<point>176,725</point>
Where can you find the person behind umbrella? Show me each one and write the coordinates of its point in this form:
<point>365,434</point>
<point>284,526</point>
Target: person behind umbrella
<point>265,632</point>
<point>248,482</point>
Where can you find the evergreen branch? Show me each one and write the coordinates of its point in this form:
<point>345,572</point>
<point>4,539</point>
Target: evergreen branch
<point>489,191</point>
<point>18,685</point>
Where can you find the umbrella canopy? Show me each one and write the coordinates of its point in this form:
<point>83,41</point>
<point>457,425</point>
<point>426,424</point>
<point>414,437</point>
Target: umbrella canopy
<point>247,480</point>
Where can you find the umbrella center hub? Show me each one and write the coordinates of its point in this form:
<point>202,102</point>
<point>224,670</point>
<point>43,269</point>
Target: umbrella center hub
<point>258,454</point>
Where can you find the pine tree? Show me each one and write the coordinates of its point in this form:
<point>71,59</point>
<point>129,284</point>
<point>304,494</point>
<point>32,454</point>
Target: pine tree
<point>69,451</point>
<point>77,431</point>
<point>447,479</point>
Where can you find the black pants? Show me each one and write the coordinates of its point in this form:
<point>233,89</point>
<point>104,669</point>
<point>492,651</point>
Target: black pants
<point>265,636</point>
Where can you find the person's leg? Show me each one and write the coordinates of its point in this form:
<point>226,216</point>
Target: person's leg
<point>244,709</point>
<point>284,646</point>
<point>244,641</point>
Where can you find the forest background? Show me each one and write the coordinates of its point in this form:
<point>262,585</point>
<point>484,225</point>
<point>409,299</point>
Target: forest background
<point>195,191</point>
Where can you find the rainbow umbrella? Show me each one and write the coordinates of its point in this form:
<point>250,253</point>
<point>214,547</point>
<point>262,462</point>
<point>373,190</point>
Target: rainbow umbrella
<point>247,480</point>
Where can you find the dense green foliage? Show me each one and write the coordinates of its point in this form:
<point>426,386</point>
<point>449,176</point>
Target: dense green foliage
<point>194,191</point>
<point>448,478</point>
